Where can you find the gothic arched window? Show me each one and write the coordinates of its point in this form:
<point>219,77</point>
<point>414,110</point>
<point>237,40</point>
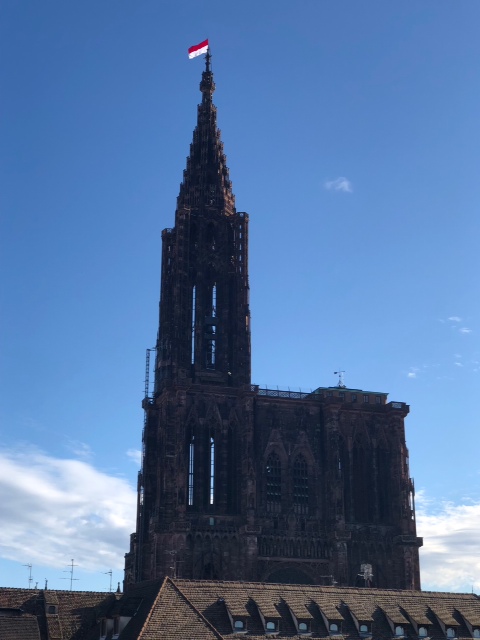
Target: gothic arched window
<point>213,300</point>
<point>212,470</point>
<point>210,327</point>
<point>300,485</point>
<point>191,462</point>
<point>273,472</point>
<point>363,490</point>
<point>194,304</point>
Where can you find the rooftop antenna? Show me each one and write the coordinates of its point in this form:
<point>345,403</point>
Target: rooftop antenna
<point>175,566</point>
<point>341,383</point>
<point>109,573</point>
<point>173,553</point>
<point>30,579</point>
<point>70,571</point>
<point>46,584</point>
<point>366,574</point>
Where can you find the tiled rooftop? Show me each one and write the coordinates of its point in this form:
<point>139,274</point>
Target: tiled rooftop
<point>206,610</point>
<point>380,607</point>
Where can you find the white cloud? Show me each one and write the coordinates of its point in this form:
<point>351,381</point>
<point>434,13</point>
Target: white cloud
<point>80,449</point>
<point>450,557</point>
<point>465,330</point>
<point>411,374</point>
<point>339,184</point>
<point>135,456</point>
<point>54,509</point>
<point>458,364</point>
<point>454,319</point>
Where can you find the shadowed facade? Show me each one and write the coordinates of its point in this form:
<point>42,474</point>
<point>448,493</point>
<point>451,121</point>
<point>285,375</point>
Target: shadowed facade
<point>242,483</point>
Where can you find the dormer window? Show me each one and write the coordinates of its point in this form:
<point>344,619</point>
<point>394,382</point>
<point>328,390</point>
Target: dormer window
<point>422,632</point>
<point>304,627</point>
<point>239,626</point>
<point>270,626</point>
<point>363,628</point>
<point>476,633</point>
<point>399,630</point>
<point>52,608</point>
<point>450,632</point>
<point>333,627</point>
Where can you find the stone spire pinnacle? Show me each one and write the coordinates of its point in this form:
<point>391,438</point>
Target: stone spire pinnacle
<point>206,183</point>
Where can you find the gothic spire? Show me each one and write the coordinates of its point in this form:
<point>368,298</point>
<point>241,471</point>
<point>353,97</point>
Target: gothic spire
<point>206,183</point>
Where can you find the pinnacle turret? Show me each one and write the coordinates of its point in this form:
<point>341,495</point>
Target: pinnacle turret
<point>207,85</point>
<point>206,183</point>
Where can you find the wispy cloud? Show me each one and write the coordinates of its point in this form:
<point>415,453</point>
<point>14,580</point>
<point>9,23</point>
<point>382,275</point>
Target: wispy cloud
<point>135,456</point>
<point>454,321</point>
<point>450,557</point>
<point>339,184</point>
<point>412,373</point>
<point>80,449</point>
<point>54,509</point>
<point>458,364</point>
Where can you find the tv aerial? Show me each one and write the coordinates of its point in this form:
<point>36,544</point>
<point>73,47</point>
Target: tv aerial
<point>366,573</point>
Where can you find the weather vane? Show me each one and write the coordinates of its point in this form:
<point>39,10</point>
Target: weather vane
<point>341,383</point>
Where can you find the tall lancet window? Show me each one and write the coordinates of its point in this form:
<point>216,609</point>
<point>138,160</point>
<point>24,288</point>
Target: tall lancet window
<point>212,470</point>
<point>273,472</point>
<point>191,467</point>
<point>300,485</point>
<point>210,347</point>
<point>210,328</point>
<point>214,300</point>
<point>194,304</point>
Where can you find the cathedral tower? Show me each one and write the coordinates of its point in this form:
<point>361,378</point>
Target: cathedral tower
<point>204,333</point>
<point>242,483</point>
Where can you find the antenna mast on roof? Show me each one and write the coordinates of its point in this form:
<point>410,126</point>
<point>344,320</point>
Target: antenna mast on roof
<point>30,579</point>
<point>341,384</point>
<point>109,573</point>
<point>175,563</point>
<point>70,571</point>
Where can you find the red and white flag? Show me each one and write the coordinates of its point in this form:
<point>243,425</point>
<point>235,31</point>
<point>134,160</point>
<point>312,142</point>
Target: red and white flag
<point>198,49</point>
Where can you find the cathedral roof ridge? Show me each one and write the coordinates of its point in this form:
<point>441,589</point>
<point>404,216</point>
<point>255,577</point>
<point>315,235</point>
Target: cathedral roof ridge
<point>337,388</point>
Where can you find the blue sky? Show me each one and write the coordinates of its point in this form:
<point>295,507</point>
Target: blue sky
<point>352,137</point>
